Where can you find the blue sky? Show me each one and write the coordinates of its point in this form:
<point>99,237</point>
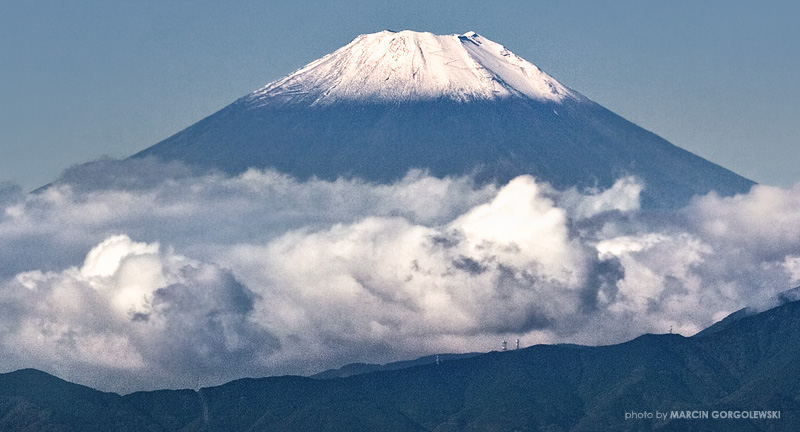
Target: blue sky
<point>90,78</point>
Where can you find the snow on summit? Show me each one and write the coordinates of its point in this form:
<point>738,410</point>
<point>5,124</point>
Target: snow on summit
<point>408,65</point>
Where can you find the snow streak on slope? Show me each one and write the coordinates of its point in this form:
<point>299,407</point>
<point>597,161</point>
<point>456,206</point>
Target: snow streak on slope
<point>408,65</point>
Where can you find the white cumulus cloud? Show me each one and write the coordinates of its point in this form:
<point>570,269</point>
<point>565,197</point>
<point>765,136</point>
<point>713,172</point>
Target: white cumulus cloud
<point>148,275</point>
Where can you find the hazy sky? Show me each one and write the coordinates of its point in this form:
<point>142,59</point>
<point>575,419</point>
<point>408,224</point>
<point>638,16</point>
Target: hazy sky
<point>90,78</point>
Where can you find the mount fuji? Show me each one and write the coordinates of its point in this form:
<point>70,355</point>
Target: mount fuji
<point>452,105</point>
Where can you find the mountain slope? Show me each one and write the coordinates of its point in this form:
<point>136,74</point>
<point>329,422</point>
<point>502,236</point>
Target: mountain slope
<point>782,298</point>
<point>747,366</point>
<point>31,400</point>
<point>454,105</point>
<point>362,368</point>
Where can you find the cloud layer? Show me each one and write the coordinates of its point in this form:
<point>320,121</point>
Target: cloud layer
<point>138,275</point>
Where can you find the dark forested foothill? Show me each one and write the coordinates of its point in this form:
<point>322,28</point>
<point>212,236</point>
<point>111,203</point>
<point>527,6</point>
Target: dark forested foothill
<point>749,365</point>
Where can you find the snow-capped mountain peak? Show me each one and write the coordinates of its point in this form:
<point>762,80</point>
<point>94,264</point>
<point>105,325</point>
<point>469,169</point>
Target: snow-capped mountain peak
<point>408,65</point>
<point>452,105</point>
